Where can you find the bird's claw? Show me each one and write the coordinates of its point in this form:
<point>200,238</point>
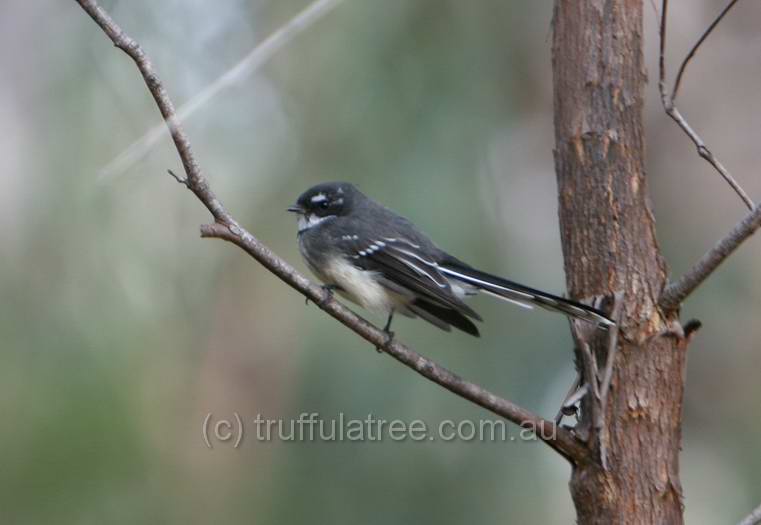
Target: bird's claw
<point>327,294</point>
<point>388,341</point>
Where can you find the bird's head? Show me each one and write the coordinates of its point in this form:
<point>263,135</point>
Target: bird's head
<point>330,199</point>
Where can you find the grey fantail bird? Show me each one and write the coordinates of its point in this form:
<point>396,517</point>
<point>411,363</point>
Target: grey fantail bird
<point>381,261</point>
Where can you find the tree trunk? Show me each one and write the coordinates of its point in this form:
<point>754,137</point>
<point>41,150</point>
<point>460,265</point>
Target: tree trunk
<point>609,244</point>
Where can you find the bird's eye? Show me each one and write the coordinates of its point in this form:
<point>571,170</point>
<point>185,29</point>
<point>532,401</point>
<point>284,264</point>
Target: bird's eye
<point>324,205</point>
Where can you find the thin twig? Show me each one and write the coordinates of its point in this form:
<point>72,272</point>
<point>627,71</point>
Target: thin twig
<point>662,52</point>
<point>176,177</point>
<point>582,334</point>
<point>708,155</point>
<point>676,292</point>
<point>615,315</point>
<point>225,227</point>
<point>581,337</point>
<point>672,111</point>
<point>694,49</point>
<point>590,375</point>
<point>598,438</point>
<point>604,435</point>
<point>590,368</point>
<point>256,58</point>
<point>753,518</point>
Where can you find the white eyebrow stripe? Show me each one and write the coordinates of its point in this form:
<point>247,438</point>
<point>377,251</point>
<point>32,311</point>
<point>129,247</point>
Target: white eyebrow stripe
<point>320,197</point>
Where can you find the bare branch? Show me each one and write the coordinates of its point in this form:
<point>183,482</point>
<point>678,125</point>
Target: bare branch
<point>753,518</point>
<point>225,227</point>
<point>556,437</point>
<point>256,58</point>
<point>676,292</point>
<point>672,111</point>
<point>706,154</point>
<point>195,181</point>
<point>662,52</point>
<point>694,49</point>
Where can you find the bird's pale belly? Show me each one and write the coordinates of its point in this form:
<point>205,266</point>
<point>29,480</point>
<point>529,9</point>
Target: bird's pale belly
<point>360,286</point>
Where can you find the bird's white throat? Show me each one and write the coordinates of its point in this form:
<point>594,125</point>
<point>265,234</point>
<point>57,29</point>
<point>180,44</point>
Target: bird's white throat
<point>310,220</point>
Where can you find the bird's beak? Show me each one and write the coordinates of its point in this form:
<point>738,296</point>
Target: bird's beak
<point>295,209</point>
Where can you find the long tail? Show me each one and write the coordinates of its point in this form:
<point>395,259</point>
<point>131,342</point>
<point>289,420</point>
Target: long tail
<point>523,295</point>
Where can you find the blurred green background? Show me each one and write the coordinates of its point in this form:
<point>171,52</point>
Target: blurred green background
<point>121,329</point>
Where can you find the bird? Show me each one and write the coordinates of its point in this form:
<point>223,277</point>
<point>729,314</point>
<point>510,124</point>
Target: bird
<point>381,261</point>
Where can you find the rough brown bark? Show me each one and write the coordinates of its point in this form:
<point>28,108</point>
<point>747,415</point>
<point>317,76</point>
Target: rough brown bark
<point>609,244</point>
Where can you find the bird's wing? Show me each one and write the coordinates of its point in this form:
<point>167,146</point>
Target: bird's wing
<point>401,263</point>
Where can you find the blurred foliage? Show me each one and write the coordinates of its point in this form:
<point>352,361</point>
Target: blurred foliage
<point>121,329</point>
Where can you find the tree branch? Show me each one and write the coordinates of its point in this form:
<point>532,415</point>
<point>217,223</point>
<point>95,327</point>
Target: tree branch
<point>672,111</point>
<point>676,292</point>
<point>695,47</point>
<point>225,227</point>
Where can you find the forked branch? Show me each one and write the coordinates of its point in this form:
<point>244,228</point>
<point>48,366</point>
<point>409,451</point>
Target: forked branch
<point>676,292</point>
<point>669,104</point>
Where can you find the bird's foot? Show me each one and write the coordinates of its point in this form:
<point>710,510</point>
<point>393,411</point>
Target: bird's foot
<point>387,331</point>
<point>327,294</point>
<point>388,341</point>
